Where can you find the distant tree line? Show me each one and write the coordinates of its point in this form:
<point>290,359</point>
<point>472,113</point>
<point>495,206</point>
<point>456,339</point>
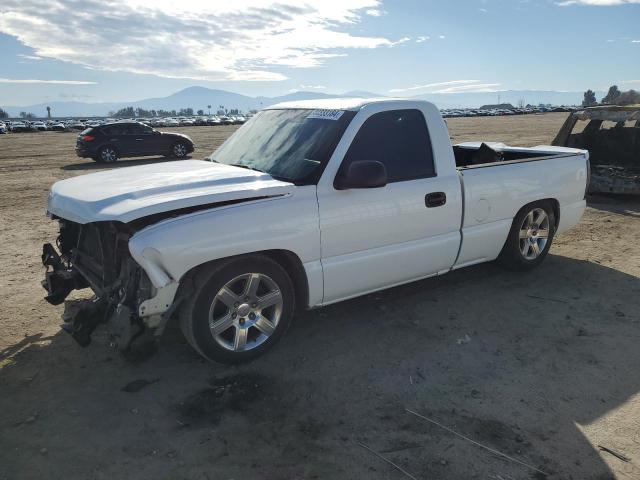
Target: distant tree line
<point>613,97</point>
<point>130,112</point>
<point>25,115</point>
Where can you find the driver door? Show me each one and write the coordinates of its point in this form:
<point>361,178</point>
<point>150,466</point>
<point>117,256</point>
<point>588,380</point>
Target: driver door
<point>373,238</point>
<point>142,139</point>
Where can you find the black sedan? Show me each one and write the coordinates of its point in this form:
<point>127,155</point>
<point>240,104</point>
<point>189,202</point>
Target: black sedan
<point>106,143</point>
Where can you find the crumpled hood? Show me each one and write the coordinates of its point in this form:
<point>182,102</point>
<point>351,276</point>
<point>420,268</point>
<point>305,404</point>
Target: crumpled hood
<point>126,194</point>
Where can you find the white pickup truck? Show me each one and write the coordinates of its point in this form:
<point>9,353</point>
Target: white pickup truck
<point>309,203</point>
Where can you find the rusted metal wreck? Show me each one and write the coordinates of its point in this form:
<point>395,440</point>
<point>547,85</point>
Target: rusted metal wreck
<point>612,136</point>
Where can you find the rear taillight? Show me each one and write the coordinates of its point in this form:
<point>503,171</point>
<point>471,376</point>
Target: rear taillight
<point>586,190</point>
<point>88,138</point>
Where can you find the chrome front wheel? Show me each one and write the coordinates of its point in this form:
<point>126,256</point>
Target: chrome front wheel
<point>236,310</point>
<point>245,312</point>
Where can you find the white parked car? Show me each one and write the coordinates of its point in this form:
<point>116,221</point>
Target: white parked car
<point>3,128</point>
<point>19,126</point>
<point>55,126</point>
<point>309,203</point>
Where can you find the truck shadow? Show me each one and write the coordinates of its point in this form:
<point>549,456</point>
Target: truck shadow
<point>91,165</point>
<point>628,205</point>
<point>526,364</point>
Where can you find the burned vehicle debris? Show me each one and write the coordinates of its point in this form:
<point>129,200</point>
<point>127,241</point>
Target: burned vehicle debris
<point>612,136</point>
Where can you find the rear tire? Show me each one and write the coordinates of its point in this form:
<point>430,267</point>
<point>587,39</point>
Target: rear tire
<point>237,309</point>
<point>107,154</point>
<point>530,237</point>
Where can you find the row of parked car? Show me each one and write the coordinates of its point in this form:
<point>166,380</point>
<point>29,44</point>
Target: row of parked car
<point>79,125</point>
<point>31,126</point>
<point>193,121</point>
<point>496,112</point>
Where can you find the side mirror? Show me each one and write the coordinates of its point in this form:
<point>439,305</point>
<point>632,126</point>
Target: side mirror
<point>362,174</point>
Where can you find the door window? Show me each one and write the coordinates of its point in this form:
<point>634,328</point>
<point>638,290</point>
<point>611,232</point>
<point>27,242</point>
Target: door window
<point>397,138</point>
<point>137,129</point>
<point>113,130</point>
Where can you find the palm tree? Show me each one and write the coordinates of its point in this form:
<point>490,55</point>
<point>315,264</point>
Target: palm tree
<point>48,112</point>
<point>209,107</point>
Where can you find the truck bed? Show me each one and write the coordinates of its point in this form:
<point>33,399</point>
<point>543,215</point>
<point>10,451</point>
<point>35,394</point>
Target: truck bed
<point>494,191</point>
<point>474,154</point>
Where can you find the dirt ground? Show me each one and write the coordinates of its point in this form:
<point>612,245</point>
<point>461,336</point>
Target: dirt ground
<point>541,366</point>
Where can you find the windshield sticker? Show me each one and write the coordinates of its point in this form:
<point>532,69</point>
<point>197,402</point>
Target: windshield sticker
<point>324,114</point>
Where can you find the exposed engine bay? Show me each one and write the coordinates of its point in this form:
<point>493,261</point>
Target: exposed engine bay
<point>96,256</point>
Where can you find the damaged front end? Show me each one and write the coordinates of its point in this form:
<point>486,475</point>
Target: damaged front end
<point>96,256</point>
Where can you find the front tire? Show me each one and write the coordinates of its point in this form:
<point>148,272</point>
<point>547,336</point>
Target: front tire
<point>530,237</point>
<point>179,150</point>
<point>237,309</point>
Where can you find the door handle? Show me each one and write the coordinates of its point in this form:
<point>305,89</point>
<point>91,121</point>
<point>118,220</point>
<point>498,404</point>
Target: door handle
<point>435,199</point>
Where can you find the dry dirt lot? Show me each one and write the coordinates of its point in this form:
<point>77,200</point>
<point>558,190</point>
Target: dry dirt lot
<point>542,366</point>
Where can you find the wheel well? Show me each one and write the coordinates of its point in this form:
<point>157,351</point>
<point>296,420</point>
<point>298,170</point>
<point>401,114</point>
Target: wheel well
<point>293,265</point>
<point>556,209</point>
<point>105,145</point>
<point>552,202</point>
<point>287,259</point>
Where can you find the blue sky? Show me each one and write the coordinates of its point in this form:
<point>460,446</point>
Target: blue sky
<point>91,50</point>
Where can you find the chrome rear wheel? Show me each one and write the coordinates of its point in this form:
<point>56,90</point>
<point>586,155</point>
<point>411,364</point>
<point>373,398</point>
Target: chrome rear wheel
<point>534,233</point>
<point>530,236</point>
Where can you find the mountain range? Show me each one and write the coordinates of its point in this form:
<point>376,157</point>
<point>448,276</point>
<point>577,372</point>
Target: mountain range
<point>199,97</point>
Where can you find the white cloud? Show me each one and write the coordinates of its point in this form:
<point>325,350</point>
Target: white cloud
<point>422,38</point>
<point>441,37</point>
<point>312,87</point>
<point>473,88</point>
<point>375,12</point>
<point>635,41</point>
<point>53,82</point>
<point>432,85</point>
<point>483,10</point>
<point>197,39</point>
<point>400,42</point>
<point>452,86</point>
<point>29,57</point>
<point>597,3</point>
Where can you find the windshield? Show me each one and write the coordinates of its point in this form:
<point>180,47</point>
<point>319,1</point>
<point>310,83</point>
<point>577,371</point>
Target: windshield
<point>292,145</point>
